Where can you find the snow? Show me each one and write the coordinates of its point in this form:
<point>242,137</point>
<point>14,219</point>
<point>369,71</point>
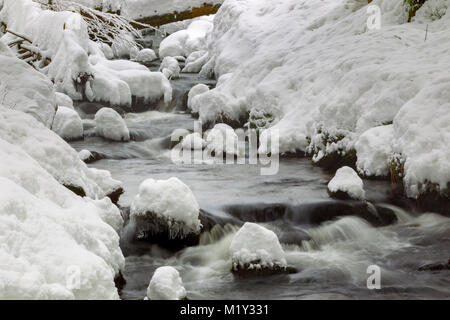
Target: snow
<point>146,55</point>
<point>223,140</point>
<point>53,154</point>
<point>48,233</point>
<point>195,61</point>
<point>170,200</point>
<point>347,180</point>
<point>110,125</point>
<point>374,151</point>
<point>170,68</point>
<point>195,91</point>
<point>327,79</point>
<point>84,154</point>
<point>25,89</point>
<point>185,42</point>
<point>63,100</point>
<point>255,247</point>
<point>166,284</point>
<point>193,141</point>
<point>67,124</point>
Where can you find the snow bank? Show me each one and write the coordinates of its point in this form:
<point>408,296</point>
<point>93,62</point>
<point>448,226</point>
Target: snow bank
<point>78,65</point>
<point>55,245</point>
<point>185,42</point>
<point>146,55</point>
<point>166,204</point>
<point>110,125</point>
<point>166,284</point>
<point>347,184</point>
<point>53,154</point>
<point>374,151</point>
<point>68,124</point>
<point>325,78</point>
<point>255,248</point>
<point>25,89</point>
<point>170,68</point>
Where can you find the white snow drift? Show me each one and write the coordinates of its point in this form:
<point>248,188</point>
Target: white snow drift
<point>110,125</point>
<point>347,181</point>
<point>170,200</point>
<point>255,247</point>
<point>166,284</point>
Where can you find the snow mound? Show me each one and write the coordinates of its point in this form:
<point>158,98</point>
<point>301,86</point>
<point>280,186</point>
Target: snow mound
<point>53,154</point>
<point>223,140</point>
<point>256,248</point>
<point>55,245</point>
<point>193,141</point>
<point>170,68</point>
<point>185,42</point>
<point>195,91</point>
<point>166,284</point>
<point>25,89</point>
<point>63,100</point>
<point>374,150</point>
<point>110,125</point>
<point>146,55</point>
<point>68,124</point>
<point>347,184</point>
<point>166,206</point>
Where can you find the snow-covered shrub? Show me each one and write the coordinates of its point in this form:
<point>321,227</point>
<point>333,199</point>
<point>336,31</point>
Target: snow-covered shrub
<point>49,234</point>
<point>67,124</point>
<point>195,91</point>
<point>185,42</point>
<point>25,89</point>
<point>110,125</point>
<point>373,151</point>
<point>166,207</point>
<point>170,68</point>
<point>146,55</point>
<point>346,184</point>
<point>255,249</point>
<point>166,284</point>
<point>53,154</point>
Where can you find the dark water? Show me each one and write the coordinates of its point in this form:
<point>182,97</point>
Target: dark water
<point>330,243</point>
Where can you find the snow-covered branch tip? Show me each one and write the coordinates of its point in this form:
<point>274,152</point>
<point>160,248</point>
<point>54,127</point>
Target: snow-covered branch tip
<point>105,27</point>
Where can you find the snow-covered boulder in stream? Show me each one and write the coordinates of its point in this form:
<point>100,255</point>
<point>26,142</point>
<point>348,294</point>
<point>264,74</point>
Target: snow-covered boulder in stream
<point>222,140</point>
<point>193,141</point>
<point>166,284</point>
<point>194,92</point>
<point>170,68</point>
<point>110,125</point>
<point>63,100</point>
<point>54,155</point>
<point>55,245</point>
<point>257,250</point>
<point>346,184</point>
<point>165,210</point>
<point>146,55</point>
<point>68,124</point>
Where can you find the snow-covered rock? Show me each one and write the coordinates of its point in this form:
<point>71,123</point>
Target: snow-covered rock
<point>68,124</point>
<point>55,245</point>
<point>53,154</point>
<point>165,207</point>
<point>223,140</point>
<point>146,55</point>
<point>346,184</point>
<point>166,284</point>
<point>110,125</point>
<point>196,61</point>
<point>374,149</point>
<point>84,154</point>
<point>193,141</point>
<point>63,100</point>
<point>195,91</point>
<point>185,42</point>
<point>25,89</point>
<point>256,249</point>
<point>170,68</point>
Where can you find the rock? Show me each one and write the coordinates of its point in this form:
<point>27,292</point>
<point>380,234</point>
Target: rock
<point>90,156</point>
<point>438,266</point>
<point>115,195</point>
<point>146,56</point>
<point>68,124</point>
<point>110,125</point>
<point>346,184</point>
<point>166,284</point>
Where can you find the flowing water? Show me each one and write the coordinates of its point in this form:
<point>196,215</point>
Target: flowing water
<point>330,243</point>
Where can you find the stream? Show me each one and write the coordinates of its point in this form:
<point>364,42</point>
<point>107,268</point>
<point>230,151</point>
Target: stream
<point>328,241</point>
